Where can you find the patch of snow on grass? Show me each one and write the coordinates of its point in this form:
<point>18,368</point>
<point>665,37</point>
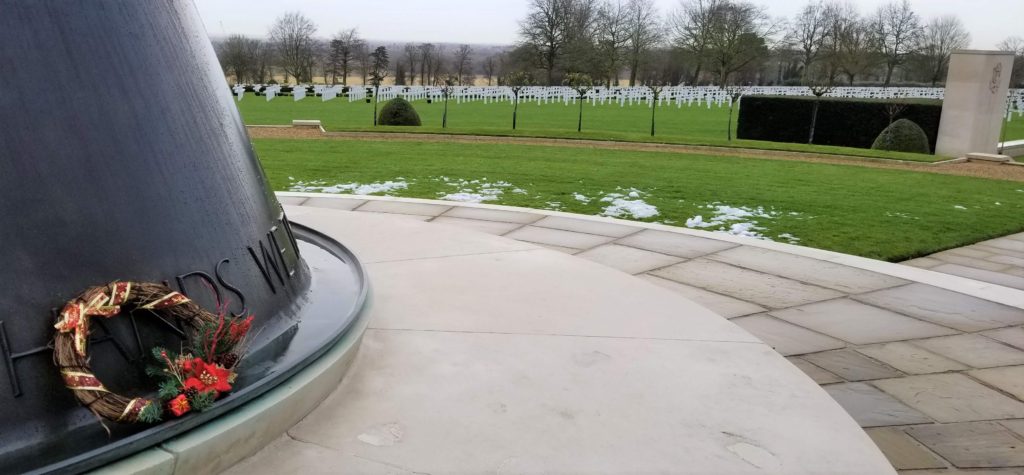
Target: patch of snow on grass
<point>738,221</point>
<point>581,198</point>
<point>475,191</point>
<point>620,207</point>
<point>350,188</point>
<point>959,207</point>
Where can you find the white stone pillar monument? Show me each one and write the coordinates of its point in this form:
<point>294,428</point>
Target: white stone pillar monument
<point>975,105</point>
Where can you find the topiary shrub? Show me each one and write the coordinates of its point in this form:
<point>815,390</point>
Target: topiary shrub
<point>902,136</point>
<point>398,111</point>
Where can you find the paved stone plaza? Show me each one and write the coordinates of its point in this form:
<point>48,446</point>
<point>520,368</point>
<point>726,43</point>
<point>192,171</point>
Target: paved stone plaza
<point>929,364</point>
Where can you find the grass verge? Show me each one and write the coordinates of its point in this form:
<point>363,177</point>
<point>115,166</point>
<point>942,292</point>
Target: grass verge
<point>878,213</point>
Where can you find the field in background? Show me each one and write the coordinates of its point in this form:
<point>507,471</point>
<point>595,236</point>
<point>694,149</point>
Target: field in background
<point>688,125</point>
<point>877,213</point>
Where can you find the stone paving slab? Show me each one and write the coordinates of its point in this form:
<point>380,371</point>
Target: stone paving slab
<point>404,239</point>
<point>401,207</point>
<point>852,366</point>
<point>976,351</point>
<point>873,408</point>
<point>972,445</point>
<point>1010,260</point>
<point>818,374</point>
<point>557,298</point>
<point>923,262</point>
<point>786,338</point>
<point>489,227</point>
<point>1009,379</point>
<point>1013,336</point>
<point>1006,243</point>
<point>975,262</point>
<point>903,451</point>
<point>804,269</point>
<point>557,237</point>
<point>723,305</point>
<point>334,203</point>
<point>763,289</point>
<point>1015,425</point>
<point>943,307</point>
<point>860,324</point>
<point>911,359</point>
<point>493,215</point>
<point>628,259</point>
<point>292,200</point>
<point>952,397</point>
<point>997,278</point>
<point>674,244</point>
<point>584,226</point>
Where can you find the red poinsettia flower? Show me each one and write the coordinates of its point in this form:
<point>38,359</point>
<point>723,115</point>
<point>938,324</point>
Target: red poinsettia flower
<point>179,405</point>
<point>239,329</point>
<point>188,365</point>
<point>195,383</point>
<point>208,376</point>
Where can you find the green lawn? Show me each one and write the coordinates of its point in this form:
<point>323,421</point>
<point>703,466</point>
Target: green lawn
<point>884,214</point>
<point>696,125</point>
<point>1014,128</point>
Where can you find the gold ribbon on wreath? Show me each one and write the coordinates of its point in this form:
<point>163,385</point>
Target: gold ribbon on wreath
<point>76,314</point>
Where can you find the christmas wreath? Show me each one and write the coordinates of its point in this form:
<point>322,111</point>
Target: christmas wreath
<point>189,380</point>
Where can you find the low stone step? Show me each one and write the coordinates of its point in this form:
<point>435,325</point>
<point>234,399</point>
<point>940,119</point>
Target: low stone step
<point>988,157</point>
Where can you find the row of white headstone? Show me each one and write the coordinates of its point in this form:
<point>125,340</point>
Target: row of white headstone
<point>707,96</point>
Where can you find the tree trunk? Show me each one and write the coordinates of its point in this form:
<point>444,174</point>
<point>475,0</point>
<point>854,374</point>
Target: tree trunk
<point>515,111</point>
<point>889,68</point>
<point>579,125</point>
<point>654,108</point>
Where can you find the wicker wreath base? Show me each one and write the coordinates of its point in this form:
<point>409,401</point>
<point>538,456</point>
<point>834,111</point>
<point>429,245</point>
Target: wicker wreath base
<point>71,342</point>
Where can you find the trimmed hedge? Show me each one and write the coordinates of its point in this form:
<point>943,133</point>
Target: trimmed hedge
<point>841,122</point>
<point>398,111</point>
<point>902,136</point>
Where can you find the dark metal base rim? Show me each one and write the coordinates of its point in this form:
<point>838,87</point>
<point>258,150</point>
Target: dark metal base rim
<point>167,430</point>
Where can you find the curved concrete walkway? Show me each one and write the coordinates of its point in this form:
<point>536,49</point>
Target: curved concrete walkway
<point>930,364</point>
<point>488,355</point>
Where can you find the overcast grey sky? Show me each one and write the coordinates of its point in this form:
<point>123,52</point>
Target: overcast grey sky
<point>496,21</point>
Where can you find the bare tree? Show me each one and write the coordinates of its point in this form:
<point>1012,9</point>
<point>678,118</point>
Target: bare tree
<point>643,34</point>
<point>292,37</point>
<point>896,29</point>
<point>740,33</point>
<point>411,57</point>
<point>363,61</point>
<point>809,31</point>
<point>1015,44</point>
<point>437,68</point>
<point>940,37</point>
<point>611,36</point>
<point>655,87</point>
<point>582,84</point>
<point>236,58</point>
<point>545,32</point>
<point>426,54</point>
<point>490,66</point>
<point>343,49</point>
<point>692,25</point>
<point>516,82</point>
<point>463,64</point>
